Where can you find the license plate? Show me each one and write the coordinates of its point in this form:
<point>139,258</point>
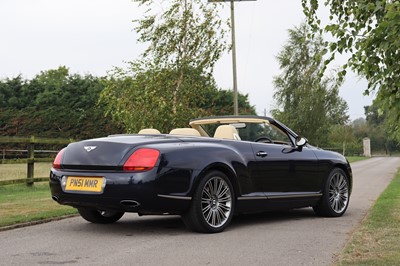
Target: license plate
<point>85,184</point>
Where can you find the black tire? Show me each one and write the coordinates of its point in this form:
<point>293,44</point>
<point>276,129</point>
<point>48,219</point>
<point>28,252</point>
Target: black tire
<point>98,216</point>
<point>213,204</point>
<point>336,195</point>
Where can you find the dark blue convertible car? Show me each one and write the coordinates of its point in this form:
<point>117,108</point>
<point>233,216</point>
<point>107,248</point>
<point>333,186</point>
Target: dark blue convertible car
<point>217,167</point>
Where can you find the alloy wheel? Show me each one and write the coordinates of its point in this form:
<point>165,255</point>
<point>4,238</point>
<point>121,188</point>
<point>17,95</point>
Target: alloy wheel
<point>216,202</point>
<point>338,193</point>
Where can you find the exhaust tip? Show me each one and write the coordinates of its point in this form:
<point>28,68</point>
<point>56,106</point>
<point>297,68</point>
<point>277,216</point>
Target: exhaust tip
<point>55,198</point>
<point>130,203</point>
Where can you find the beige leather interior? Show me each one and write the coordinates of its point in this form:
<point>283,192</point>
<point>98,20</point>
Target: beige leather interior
<point>185,131</point>
<point>226,132</point>
<point>149,131</point>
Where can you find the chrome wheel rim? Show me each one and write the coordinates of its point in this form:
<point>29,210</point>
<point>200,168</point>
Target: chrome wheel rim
<point>338,193</point>
<point>216,202</point>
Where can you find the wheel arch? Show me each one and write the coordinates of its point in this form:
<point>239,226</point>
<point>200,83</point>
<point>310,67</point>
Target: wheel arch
<point>221,167</point>
<point>325,207</point>
<point>347,172</point>
<point>340,166</point>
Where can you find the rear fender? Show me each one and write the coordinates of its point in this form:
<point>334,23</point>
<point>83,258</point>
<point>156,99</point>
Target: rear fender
<point>224,168</point>
<point>201,158</point>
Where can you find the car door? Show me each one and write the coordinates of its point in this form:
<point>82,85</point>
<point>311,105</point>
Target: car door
<point>283,169</point>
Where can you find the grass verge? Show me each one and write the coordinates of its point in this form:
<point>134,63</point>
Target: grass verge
<point>377,241</point>
<point>353,159</point>
<point>15,171</point>
<point>21,204</point>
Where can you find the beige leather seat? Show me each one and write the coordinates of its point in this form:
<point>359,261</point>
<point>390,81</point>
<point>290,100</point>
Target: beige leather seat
<point>226,132</point>
<point>185,131</point>
<point>149,131</point>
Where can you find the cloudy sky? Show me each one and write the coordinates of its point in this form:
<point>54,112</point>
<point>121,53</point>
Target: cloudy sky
<point>92,36</point>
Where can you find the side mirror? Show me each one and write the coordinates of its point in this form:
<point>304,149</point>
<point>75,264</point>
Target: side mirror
<point>300,142</point>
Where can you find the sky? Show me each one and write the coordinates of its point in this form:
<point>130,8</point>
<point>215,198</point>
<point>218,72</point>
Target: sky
<point>93,36</point>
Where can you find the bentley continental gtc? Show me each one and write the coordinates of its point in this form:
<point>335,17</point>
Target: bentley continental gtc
<point>206,173</point>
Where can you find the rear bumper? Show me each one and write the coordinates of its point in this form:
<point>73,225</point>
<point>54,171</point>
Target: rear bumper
<point>145,193</point>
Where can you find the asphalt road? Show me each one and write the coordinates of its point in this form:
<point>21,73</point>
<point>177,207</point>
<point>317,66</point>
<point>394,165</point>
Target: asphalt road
<point>281,238</point>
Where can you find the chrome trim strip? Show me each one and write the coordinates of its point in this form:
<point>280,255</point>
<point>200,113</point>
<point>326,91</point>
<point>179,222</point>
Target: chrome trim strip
<point>251,198</point>
<point>294,196</point>
<point>174,197</point>
<point>281,196</point>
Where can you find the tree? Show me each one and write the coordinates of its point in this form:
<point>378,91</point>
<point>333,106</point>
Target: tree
<point>308,104</point>
<point>220,103</point>
<point>360,128</point>
<point>341,139</point>
<point>144,99</point>
<point>10,93</point>
<point>54,103</point>
<point>170,80</point>
<point>368,31</point>
<point>140,100</point>
<point>380,129</point>
<point>189,33</point>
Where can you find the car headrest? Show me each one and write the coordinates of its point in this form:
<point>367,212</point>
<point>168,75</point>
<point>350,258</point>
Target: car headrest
<point>226,132</point>
<point>185,131</point>
<point>149,131</point>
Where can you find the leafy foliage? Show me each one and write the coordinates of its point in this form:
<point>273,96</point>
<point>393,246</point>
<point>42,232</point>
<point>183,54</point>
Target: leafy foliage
<point>219,102</point>
<point>186,34</point>
<point>349,137</point>
<point>379,126</point>
<point>307,103</point>
<point>171,81</point>
<point>368,30</point>
<point>53,104</point>
<point>144,99</point>
<point>58,104</point>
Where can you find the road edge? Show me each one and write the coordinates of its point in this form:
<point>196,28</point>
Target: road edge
<point>36,222</point>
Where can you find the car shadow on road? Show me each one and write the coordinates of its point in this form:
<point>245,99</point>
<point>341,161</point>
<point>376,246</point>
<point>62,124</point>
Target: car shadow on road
<point>272,217</point>
<point>132,225</point>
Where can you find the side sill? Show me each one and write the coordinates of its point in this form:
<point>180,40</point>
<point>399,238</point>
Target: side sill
<point>281,196</point>
<point>291,196</point>
<point>252,198</point>
<point>174,197</point>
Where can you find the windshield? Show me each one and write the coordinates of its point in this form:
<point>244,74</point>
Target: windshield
<point>263,132</point>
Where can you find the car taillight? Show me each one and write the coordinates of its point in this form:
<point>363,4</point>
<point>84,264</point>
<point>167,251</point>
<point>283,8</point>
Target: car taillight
<point>57,160</point>
<point>142,160</point>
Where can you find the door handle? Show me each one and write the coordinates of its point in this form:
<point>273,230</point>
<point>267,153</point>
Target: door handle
<point>262,154</point>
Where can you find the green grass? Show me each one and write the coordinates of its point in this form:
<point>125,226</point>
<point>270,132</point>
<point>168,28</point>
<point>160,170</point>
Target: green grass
<point>20,204</point>
<point>377,241</point>
<point>16,171</point>
<point>353,159</point>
